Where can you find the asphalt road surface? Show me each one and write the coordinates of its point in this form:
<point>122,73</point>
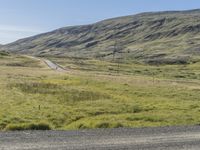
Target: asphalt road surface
<point>49,63</point>
<point>53,65</point>
<point>169,138</point>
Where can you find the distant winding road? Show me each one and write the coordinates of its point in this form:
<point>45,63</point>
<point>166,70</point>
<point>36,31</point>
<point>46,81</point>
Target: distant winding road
<point>49,63</point>
<point>169,138</point>
<point>53,65</point>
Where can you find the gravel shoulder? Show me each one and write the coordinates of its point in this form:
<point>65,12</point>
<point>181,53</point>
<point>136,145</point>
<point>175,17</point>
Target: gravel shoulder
<point>170,138</point>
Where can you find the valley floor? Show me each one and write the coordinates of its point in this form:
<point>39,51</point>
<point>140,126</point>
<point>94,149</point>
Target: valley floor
<point>96,94</point>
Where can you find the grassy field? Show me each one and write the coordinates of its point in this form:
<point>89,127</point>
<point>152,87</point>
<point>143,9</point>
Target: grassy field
<point>96,94</point>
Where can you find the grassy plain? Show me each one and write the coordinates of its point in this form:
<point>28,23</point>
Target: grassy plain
<point>96,94</point>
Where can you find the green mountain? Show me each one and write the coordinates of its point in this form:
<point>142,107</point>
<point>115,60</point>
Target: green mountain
<point>155,38</point>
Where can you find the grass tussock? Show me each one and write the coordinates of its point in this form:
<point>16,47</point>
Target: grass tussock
<point>108,125</point>
<point>31,126</point>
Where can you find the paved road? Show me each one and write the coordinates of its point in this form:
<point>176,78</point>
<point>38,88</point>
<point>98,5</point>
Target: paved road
<point>169,138</point>
<point>53,65</point>
<point>49,63</point>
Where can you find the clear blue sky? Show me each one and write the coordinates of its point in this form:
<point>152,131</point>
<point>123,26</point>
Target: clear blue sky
<point>22,18</point>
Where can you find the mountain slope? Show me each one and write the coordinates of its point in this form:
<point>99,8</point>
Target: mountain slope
<point>161,37</point>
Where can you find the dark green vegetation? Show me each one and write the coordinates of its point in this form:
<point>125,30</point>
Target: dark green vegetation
<point>153,38</point>
<point>32,126</point>
<point>3,53</point>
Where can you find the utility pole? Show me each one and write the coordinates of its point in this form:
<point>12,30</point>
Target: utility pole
<point>117,49</point>
<point>115,44</point>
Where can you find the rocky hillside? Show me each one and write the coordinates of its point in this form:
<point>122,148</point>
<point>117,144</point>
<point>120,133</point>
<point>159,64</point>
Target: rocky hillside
<point>159,37</point>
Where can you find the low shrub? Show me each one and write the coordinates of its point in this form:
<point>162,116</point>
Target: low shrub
<point>4,53</point>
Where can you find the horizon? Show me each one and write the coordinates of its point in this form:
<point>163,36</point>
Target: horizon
<point>24,19</point>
